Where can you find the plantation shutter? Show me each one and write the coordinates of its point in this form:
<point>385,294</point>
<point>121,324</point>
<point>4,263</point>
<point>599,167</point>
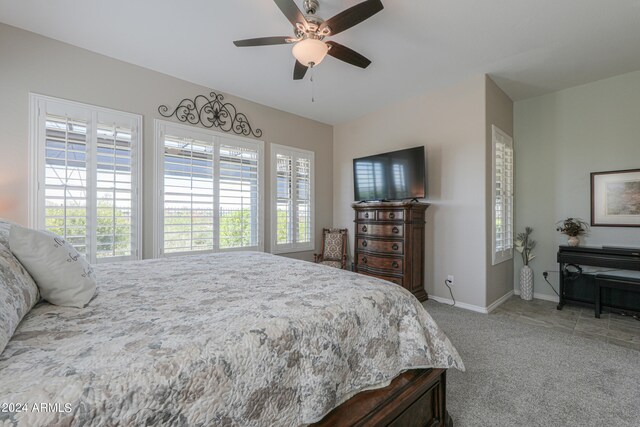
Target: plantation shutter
<point>303,200</point>
<point>87,165</point>
<point>65,180</point>
<point>292,199</point>
<point>189,194</point>
<point>211,191</point>
<point>239,196</point>
<point>503,196</point>
<point>284,199</point>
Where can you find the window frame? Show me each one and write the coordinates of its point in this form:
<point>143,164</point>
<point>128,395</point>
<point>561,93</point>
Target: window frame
<point>506,254</point>
<point>36,167</point>
<point>160,127</point>
<point>295,153</point>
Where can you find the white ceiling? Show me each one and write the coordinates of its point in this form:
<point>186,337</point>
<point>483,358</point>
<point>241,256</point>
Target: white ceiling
<point>529,47</point>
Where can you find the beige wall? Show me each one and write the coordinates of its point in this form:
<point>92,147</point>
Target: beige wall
<point>559,139</point>
<point>499,112</point>
<point>32,63</point>
<point>450,124</point>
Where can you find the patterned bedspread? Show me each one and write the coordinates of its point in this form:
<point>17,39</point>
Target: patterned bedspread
<point>246,339</point>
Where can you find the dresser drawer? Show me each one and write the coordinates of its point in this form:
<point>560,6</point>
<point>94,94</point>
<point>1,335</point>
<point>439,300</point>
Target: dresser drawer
<point>396,280</point>
<point>367,214</point>
<point>390,215</point>
<point>384,246</point>
<point>380,263</point>
<point>380,230</point>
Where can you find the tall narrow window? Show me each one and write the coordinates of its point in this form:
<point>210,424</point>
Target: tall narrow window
<point>87,163</point>
<point>292,188</point>
<point>210,191</point>
<point>502,196</point>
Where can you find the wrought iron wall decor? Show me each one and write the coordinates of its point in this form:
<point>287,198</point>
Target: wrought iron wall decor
<point>210,112</point>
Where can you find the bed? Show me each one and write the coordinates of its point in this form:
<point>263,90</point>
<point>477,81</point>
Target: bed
<point>242,338</point>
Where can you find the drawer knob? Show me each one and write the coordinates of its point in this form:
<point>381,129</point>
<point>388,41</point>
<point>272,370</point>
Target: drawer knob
<point>395,247</point>
<point>395,230</point>
<point>392,215</point>
<point>364,228</point>
<point>364,243</point>
<point>395,264</point>
<point>364,259</point>
<point>366,215</point>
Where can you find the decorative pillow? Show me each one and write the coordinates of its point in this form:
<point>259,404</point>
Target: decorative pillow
<point>18,294</point>
<point>63,276</point>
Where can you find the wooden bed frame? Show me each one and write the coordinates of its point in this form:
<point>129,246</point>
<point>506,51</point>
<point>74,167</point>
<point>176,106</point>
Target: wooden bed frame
<point>416,398</point>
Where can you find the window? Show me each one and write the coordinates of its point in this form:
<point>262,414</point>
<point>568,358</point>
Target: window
<point>502,196</point>
<point>87,167</point>
<point>292,195</point>
<point>209,191</point>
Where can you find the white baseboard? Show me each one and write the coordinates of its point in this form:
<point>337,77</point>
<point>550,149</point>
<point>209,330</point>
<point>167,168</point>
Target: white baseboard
<point>459,304</point>
<point>499,301</point>
<point>552,298</point>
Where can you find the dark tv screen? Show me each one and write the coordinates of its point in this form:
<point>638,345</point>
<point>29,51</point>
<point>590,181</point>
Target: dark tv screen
<point>396,175</point>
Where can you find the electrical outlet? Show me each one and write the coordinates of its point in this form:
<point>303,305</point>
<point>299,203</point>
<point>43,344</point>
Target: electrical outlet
<point>450,279</point>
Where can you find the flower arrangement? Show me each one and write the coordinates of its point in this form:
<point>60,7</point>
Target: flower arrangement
<point>572,227</point>
<point>525,245</point>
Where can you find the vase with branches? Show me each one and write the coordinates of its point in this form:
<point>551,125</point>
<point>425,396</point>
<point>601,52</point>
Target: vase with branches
<point>573,228</point>
<point>525,245</point>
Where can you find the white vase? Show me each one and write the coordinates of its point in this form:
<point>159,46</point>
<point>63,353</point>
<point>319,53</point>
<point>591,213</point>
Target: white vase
<point>526,283</point>
<point>573,241</point>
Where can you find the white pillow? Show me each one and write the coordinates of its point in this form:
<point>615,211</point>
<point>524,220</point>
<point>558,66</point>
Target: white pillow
<point>63,276</point>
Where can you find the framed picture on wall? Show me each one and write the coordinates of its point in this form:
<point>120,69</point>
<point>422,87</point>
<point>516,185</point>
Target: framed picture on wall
<point>615,198</point>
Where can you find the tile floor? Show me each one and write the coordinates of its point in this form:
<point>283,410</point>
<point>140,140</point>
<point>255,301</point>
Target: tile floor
<point>610,327</point>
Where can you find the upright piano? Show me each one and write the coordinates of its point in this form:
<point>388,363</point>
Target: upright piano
<point>579,267</point>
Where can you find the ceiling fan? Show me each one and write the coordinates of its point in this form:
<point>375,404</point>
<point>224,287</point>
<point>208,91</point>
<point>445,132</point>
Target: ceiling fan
<point>309,47</point>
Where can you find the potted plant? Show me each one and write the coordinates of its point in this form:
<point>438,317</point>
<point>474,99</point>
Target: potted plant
<point>573,228</point>
<point>524,244</point>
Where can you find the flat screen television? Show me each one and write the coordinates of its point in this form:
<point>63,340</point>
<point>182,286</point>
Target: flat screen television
<point>396,175</point>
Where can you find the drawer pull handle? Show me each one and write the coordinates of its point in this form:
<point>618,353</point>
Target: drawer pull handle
<point>394,264</point>
<point>364,243</point>
<point>392,215</point>
<point>364,259</point>
<point>395,230</point>
<point>364,228</point>
<point>366,215</point>
<point>395,247</point>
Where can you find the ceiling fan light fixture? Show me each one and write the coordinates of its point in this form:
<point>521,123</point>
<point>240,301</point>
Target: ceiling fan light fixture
<point>310,52</point>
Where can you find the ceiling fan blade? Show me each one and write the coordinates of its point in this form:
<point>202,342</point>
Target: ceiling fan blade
<point>299,71</point>
<point>291,11</point>
<point>263,41</point>
<point>345,54</point>
<point>352,16</point>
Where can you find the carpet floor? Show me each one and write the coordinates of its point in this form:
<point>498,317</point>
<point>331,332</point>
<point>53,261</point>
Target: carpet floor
<point>526,375</point>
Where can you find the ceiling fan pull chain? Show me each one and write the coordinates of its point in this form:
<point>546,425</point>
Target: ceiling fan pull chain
<point>313,98</point>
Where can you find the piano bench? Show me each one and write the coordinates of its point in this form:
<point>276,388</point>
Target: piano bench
<point>610,281</point>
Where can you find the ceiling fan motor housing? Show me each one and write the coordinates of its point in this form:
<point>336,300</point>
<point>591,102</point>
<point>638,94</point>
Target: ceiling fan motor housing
<point>311,6</point>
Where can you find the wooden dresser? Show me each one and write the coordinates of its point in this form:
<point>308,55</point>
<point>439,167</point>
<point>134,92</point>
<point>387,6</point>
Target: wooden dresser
<point>389,243</point>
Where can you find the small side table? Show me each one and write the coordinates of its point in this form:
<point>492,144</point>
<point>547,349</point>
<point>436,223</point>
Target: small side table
<point>614,282</point>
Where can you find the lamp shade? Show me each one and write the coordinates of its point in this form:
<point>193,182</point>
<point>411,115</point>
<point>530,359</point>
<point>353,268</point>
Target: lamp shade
<point>310,51</point>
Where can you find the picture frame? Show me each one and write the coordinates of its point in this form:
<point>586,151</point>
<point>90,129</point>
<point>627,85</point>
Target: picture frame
<point>615,198</point>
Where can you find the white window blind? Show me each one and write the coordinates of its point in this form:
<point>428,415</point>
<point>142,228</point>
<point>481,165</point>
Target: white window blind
<point>502,196</point>
<point>87,165</point>
<point>292,199</point>
<point>210,191</point>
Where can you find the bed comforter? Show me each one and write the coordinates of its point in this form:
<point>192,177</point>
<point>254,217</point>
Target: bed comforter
<point>246,339</point>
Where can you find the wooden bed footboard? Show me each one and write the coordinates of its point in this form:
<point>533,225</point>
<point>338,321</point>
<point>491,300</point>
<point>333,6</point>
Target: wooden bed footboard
<point>416,398</point>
